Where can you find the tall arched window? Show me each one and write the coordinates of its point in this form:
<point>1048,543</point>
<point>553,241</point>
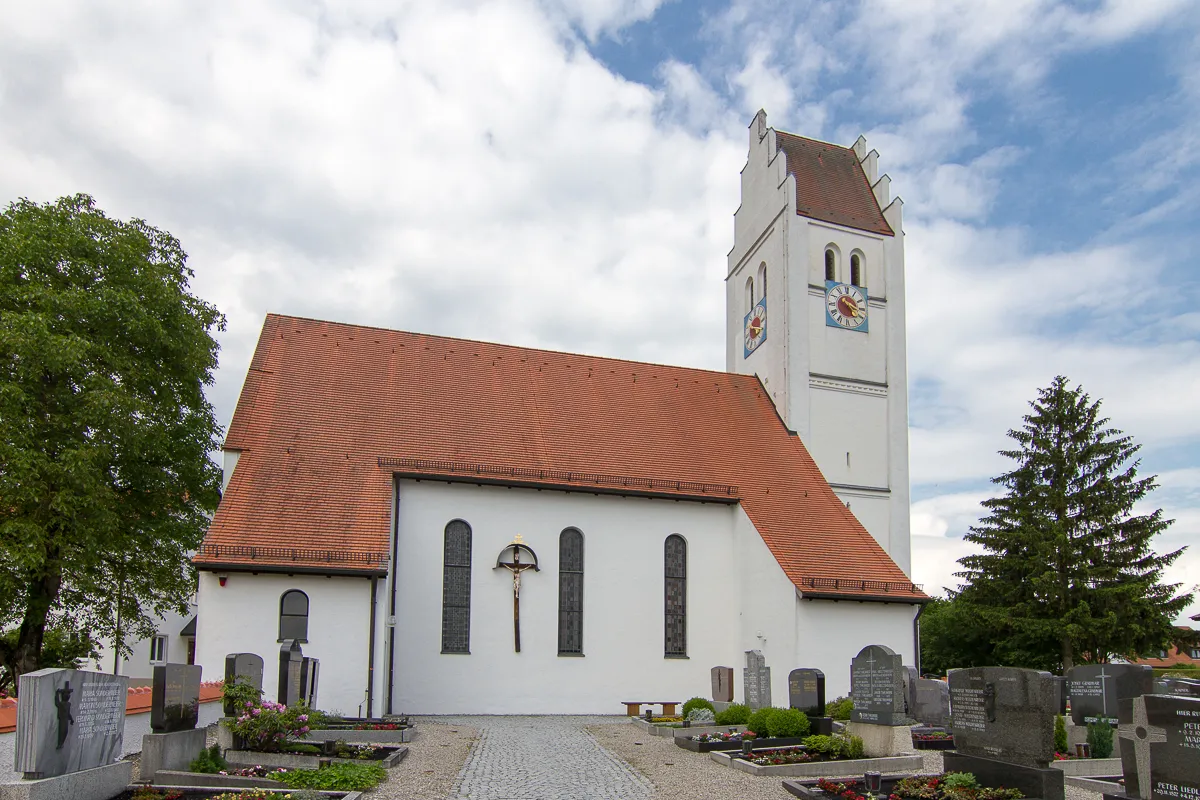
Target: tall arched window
<point>856,269</point>
<point>762,281</point>
<point>749,294</point>
<point>456,589</point>
<point>570,592</point>
<point>830,264</point>
<point>293,615</point>
<point>675,573</point>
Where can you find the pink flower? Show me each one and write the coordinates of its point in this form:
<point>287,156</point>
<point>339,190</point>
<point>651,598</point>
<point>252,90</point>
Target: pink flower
<point>256,711</point>
<point>304,729</point>
<point>303,717</point>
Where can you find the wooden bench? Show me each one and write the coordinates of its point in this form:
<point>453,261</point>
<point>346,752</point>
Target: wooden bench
<point>633,708</point>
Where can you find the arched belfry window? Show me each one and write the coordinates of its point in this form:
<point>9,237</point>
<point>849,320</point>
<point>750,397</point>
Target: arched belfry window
<point>830,264</point>
<point>570,592</point>
<point>856,269</point>
<point>675,573</point>
<point>762,281</point>
<point>749,294</point>
<point>456,589</point>
<point>293,615</point>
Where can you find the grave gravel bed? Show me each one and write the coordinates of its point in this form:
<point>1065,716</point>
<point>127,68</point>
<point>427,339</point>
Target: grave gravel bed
<point>433,764</point>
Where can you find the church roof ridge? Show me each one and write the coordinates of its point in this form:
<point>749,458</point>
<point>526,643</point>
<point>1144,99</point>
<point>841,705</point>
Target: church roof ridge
<point>325,422</point>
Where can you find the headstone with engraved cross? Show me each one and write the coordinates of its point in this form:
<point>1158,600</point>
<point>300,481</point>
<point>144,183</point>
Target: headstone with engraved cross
<point>881,687</point>
<point>756,680</point>
<point>722,684</point>
<point>244,668</point>
<point>1096,689</point>
<point>1160,747</point>
<point>175,698</point>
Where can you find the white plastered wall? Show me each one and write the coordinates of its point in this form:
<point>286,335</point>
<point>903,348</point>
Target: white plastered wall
<point>830,633</point>
<point>243,617</point>
<point>137,665</point>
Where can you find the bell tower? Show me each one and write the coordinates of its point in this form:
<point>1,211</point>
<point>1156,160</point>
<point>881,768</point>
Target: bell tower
<point>815,309</point>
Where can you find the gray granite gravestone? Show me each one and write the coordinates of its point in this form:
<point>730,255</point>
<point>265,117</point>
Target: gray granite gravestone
<point>806,691</point>
<point>1180,687</point>
<point>1003,724</point>
<point>1096,689</point>
<point>175,698</point>
<point>1160,747</point>
<point>310,669</point>
<point>756,680</point>
<point>933,702</point>
<point>69,720</point>
<point>722,684</point>
<point>244,668</point>
<point>291,660</point>
<point>881,687</point>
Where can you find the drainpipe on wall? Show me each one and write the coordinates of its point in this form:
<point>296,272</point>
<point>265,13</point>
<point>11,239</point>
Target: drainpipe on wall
<point>371,653</point>
<point>391,620</point>
<point>917,638</point>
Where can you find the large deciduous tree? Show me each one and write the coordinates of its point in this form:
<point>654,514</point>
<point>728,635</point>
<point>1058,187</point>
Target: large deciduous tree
<point>105,479</point>
<point>1067,572</point>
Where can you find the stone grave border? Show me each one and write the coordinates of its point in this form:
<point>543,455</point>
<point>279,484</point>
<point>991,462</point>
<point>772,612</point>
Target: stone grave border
<point>351,736</point>
<point>328,793</point>
<point>823,769</point>
<point>253,758</point>
<point>1088,767</point>
<point>765,743</point>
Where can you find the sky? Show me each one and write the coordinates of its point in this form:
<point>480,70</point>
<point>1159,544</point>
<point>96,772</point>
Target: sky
<point>563,174</point>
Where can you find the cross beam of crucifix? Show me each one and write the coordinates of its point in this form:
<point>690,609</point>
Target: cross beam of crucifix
<point>516,566</point>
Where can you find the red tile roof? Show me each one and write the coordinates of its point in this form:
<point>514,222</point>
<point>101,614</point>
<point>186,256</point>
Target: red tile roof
<point>329,412</point>
<point>831,185</point>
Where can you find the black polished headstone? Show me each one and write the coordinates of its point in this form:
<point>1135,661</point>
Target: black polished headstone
<point>244,668</point>
<point>756,680</point>
<point>722,684</point>
<point>933,703</point>
<point>291,661</point>
<point>881,687</point>
<point>69,720</point>
<point>175,698</point>
<point>806,691</point>
<point>1004,713</point>
<point>1096,689</point>
<point>1160,747</point>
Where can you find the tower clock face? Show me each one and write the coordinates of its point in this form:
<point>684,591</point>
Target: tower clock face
<point>755,327</point>
<point>845,306</point>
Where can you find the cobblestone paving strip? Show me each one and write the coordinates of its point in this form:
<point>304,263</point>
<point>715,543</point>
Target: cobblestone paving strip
<point>545,758</point>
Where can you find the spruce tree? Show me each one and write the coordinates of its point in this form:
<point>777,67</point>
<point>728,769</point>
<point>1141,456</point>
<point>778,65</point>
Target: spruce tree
<point>1067,573</point>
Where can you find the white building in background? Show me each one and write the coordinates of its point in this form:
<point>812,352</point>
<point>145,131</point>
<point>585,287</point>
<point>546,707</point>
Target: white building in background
<point>174,640</point>
<point>375,478</point>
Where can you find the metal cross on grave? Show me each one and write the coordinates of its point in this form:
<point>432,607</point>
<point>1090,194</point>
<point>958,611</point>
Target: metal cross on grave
<point>510,558</point>
<point>1103,690</point>
<point>1141,735</point>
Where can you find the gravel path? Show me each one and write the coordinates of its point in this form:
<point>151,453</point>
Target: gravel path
<point>435,759</point>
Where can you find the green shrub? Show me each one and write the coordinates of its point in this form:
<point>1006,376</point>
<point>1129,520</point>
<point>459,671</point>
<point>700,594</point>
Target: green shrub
<point>840,745</point>
<point>840,708</point>
<point>762,721</point>
<point>1100,739</point>
<point>697,702</point>
<point>240,693</point>
<point>209,761</point>
<point>960,780</point>
<point>735,714</point>
<point>1060,735</point>
<point>343,777</point>
<point>824,745</point>
<point>791,722</point>
<point>302,749</point>
<point>850,746</point>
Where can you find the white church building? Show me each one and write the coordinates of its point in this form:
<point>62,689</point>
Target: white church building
<point>376,480</point>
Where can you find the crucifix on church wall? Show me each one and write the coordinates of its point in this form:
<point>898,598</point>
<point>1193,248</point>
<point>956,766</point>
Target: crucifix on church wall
<point>517,557</point>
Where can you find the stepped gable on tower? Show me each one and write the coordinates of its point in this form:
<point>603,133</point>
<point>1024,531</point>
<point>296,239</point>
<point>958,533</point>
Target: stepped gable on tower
<point>831,185</point>
<point>330,412</point>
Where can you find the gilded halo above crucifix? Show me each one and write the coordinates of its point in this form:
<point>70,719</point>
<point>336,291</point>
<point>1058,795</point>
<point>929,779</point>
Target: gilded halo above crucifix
<point>516,557</point>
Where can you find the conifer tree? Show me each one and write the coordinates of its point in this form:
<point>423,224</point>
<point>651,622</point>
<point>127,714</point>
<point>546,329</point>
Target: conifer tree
<point>1067,573</point>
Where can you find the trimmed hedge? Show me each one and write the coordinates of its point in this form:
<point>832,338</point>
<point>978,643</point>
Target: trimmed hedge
<point>694,703</point>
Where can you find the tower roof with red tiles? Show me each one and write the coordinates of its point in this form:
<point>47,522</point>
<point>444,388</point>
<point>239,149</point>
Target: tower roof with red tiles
<point>330,412</point>
<point>831,185</point>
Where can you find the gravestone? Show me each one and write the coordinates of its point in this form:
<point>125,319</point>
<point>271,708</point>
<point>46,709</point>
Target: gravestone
<point>175,698</point>
<point>881,687</point>
<point>1096,689</point>
<point>1003,724</point>
<point>291,661</point>
<point>806,691</point>
<point>244,667</point>
<point>69,720</point>
<point>1160,747</point>
<point>933,703</point>
<point>722,684</point>
<point>1005,713</point>
<point>310,669</point>
<point>1180,687</point>
<point>756,680</point>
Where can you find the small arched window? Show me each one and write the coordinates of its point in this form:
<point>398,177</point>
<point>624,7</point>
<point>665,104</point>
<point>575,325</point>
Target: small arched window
<point>675,573</point>
<point>762,281</point>
<point>749,294</point>
<point>830,264</point>
<point>570,592</point>
<point>856,269</point>
<point>456,588</point>
<point>293,615</point>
